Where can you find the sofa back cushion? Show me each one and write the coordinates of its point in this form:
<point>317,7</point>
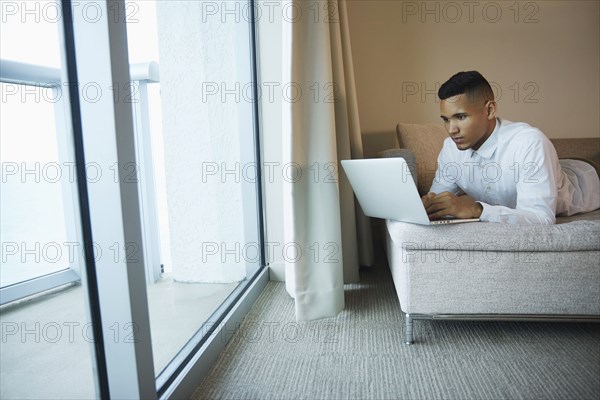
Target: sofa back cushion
<point>425,141</point>
<point>588,148</point>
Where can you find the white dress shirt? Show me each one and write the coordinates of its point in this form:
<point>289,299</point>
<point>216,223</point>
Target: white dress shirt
<point>517,178</point>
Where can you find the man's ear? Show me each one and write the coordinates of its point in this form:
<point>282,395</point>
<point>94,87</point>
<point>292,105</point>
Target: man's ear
<point>490,109</point>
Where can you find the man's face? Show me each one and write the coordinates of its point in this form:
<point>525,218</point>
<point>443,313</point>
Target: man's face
<point>469,122</point>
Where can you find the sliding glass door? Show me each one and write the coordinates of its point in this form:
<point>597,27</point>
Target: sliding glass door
<point>130,192</point>
<point>196,144</point>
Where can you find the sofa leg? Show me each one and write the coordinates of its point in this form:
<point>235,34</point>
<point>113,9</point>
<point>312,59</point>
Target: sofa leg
<point>408,329</point>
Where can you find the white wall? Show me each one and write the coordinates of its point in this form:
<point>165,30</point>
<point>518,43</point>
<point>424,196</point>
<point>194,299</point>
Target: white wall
<point>201,133</point>
<point>542,56</point>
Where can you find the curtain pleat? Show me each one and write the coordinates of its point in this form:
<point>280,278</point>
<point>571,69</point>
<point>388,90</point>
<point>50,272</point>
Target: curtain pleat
<point>363,224</point>
<point>320,127</point>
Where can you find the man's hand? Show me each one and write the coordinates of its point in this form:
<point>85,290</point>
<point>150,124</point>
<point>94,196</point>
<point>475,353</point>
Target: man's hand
<point>448,204</point>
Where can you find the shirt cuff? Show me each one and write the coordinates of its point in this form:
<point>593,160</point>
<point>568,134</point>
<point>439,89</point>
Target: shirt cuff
<point>502,214</point>
<point>487,215</point>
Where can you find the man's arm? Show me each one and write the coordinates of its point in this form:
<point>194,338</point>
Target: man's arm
<point>446,203</point>
<point>443,197</point>
<point>536,188</point>
<point>445,178</point>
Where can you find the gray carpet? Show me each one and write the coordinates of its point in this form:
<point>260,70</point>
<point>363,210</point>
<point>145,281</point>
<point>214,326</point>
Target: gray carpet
<point>360,355</point>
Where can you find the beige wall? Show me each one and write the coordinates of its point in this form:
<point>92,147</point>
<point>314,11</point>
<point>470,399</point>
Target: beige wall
<point>542,59</point>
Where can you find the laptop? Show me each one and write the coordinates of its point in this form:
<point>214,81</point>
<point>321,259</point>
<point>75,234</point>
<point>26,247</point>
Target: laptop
<point>385,188</point>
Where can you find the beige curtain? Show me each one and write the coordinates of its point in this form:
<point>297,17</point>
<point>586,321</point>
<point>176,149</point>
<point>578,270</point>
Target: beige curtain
<point>326,235</point>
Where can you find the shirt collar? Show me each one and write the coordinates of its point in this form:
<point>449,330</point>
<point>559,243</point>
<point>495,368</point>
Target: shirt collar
<point>487,149</point>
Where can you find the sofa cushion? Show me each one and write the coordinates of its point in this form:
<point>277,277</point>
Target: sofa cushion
<point>425,141</point>
<point>574,233</point>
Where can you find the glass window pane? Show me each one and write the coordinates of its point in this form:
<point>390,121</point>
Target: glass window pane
<point>32,217</point>
<point>203,209</point>
<point>47,341</point>
<point>23,26</point>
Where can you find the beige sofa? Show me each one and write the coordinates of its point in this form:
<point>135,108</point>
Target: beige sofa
<point>493,271</point>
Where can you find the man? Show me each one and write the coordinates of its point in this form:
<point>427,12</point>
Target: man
<point>500,171</point>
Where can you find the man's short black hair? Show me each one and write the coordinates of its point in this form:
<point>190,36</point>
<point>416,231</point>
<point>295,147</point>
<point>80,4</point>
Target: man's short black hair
<point>471,83</point>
